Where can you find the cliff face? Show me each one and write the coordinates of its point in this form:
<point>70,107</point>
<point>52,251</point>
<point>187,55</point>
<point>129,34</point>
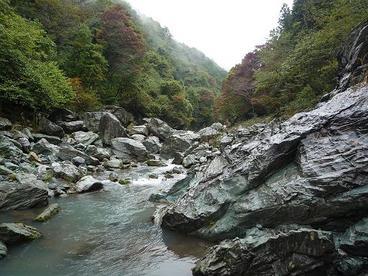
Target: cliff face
<point>274,185</point>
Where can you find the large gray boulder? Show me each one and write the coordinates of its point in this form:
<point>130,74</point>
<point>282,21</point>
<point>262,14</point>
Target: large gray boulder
<point>123,116</point>
<point>180,141</point>
<point>92,120</point>
<point>88,184</point>
<point>159,128</point>
<point>5,124</point>
<point>67,153</point>
<point>99,153</point>
<point>10,149</point>
<point>14,233</point>
<point>152,144</point>
<point>129,149</point>
<point>44,147</point>
<point>110,128</point>
<point>85,138</point>
<point>142,130</point>
<point>49,128</point>
<point>73,126</point>
<point>294,252</point>
<point>67,171</point>
<point>26,192</point>
<point>51,139</point>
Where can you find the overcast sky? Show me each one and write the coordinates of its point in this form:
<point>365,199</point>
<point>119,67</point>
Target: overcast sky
<point>224,30</point>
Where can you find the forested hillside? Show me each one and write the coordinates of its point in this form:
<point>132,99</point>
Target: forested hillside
<point>296,66</point>
<point>82,54</point>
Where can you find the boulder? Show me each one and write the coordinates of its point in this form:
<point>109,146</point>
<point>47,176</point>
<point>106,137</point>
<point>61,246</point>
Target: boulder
<point>110,128</point>
<point>155,163</point>
<point>123,116</point>
<point>48,213</point>
<point>85,138</point>
<point>88,184</point>
<point>9,149</point>
<point>152,144</point>
<point>62,114</point>
<point>138,137</point>
<point>210,132</point>
<point>129,149</point>
<point>14,233</point>
<point>142,130</point>
<point>5,124</point>
<point>51,139</point>
<point>49,128</point>
<point>67,171</point>
<point>158,128</point>
<point>73,126</point>
<point>99,153</point>
<point>26,192</point>
<point>92,120</point>
<point>44,147</point>
<point>113,164</point>
<point>296,252</point>
<point>180,141</point>
<point>67,153</point>
<point>26,145</point>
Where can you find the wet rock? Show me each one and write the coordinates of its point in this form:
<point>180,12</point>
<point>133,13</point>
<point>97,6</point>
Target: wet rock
<point>67,171</point>
<point>49,128</point>
<point>152,144</point>
<point>48,213</point>
<point>3,250</point>
<point>298,252</point>
<point>159,128</point>
<point>67,153</point>
<point>14,233</point>
<point>110,128</point>
<point>129,149</point>
<point>5,124</point>
<point>155,163</point>
<point>88,184</point>
<point>26,192</point>
<point>301,171</point>
<point>85,138</point>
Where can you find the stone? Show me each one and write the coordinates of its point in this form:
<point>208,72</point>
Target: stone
<point>142,130</point>
<point>51,139</point>
<point>67,171</point>
<point>155,163</point>
<point>49,128</point>
<point>3,250</point>
<point>78,161</point>
<point>152,144</point>
<point>110,128</point>
<point>138,137</point>
<point>5,124</point>
<point>129,149</point>
<point>62,114</point>
<point>113,164</point>
<point>180,141</point>
<point>15,233</point>
<point>99,153</point>
<point>26,145</point>
<point>92,120</point>
<point>114,177</point>
<point>88,184</point>
<point>48,213</point>
<point>295,252</point>
<point>33,157</point>
<point>26,192</point>
<point>123,116</point>
<point>209,133</point>
<point>67,153</point>
<point>44,147</point>
<point>73,126</point>
<point>158,128</point>
<point>85,138</point>
<point>188,161</point>
<point>9,150</point>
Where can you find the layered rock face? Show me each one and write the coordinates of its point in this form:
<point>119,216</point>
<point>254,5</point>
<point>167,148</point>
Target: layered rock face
<point>306,173</point>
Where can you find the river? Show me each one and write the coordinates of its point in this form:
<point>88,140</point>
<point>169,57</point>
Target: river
<point>105,233</point>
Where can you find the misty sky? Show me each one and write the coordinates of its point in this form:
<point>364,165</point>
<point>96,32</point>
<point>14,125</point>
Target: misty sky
<point>224,30</point>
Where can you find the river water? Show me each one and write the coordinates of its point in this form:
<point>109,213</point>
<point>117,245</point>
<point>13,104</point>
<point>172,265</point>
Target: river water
<point>105,233</point>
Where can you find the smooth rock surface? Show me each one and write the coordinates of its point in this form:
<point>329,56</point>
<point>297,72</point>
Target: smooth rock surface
<point>13,233</point>
<point>129,149</point>
<point>88,184</point>
<point>48,213</point>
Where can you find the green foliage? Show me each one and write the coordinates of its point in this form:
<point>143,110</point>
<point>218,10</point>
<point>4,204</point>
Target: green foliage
<point>29,74</point>
<point>299,61</point>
